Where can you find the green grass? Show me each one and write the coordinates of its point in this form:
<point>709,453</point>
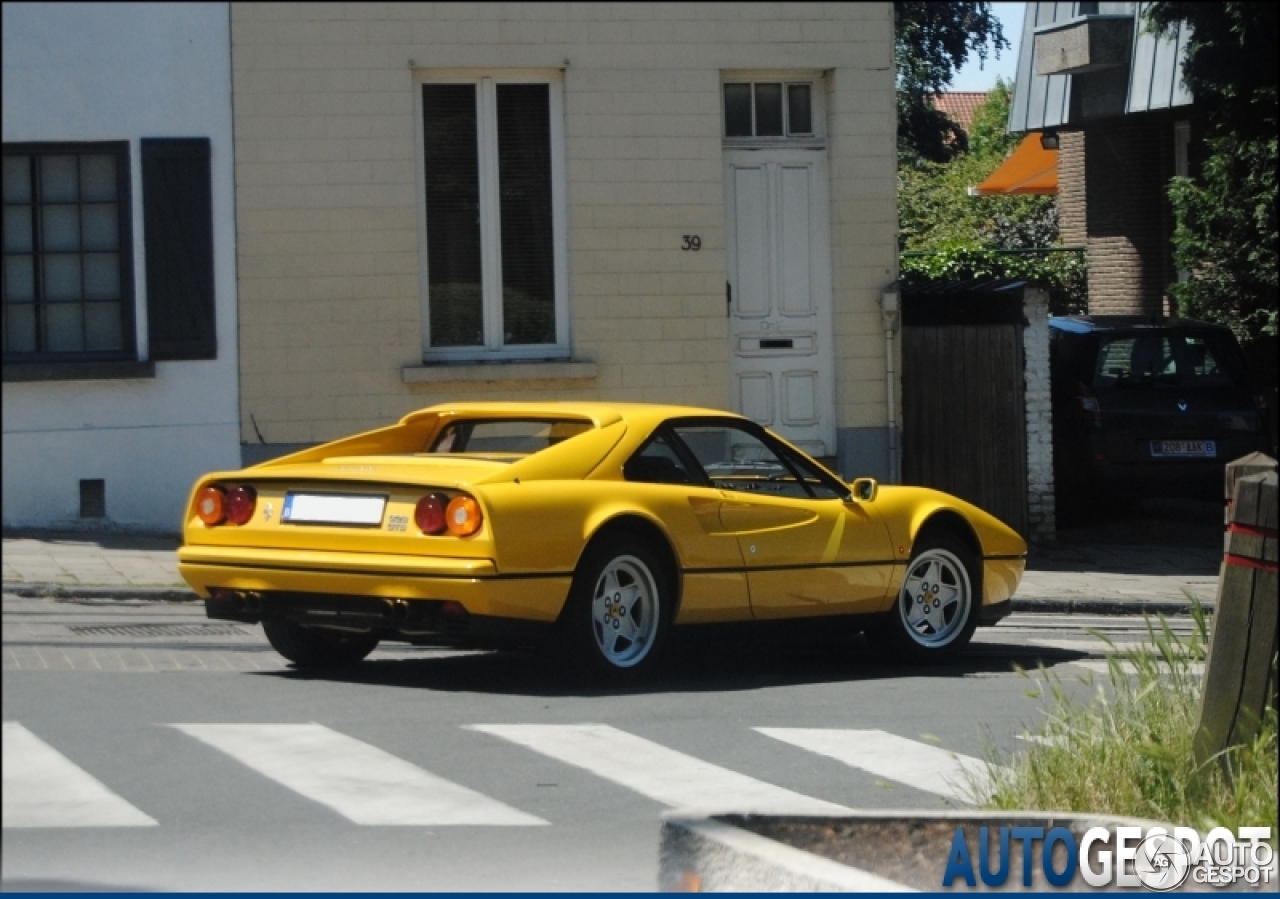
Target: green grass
<point>1127,749</point>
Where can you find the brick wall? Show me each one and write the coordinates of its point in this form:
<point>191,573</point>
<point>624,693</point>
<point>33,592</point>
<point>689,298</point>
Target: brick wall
<point>1127,168</point>
<point>330,286</point>
<point>1041,519</point>
<point>1072,228</point>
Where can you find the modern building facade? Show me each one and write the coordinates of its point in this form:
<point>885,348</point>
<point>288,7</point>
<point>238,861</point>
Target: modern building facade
<point>120,367</point>
<point>1111,93</point>
<point>692,203</point>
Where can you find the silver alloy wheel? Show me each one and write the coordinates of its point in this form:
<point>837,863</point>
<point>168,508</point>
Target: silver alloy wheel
<point>624,611</point>
<point>935,601</point>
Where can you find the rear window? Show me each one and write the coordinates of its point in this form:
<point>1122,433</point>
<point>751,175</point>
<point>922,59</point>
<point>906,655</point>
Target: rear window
<point>1182,360</point>
<point>508,436</point>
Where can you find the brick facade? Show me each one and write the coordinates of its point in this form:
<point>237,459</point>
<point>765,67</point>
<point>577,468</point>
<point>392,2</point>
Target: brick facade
<point>327,180</point>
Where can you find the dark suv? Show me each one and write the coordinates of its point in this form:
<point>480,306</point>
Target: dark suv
<point>1148,406</point>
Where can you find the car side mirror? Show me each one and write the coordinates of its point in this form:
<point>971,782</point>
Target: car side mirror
<point>864,489</point>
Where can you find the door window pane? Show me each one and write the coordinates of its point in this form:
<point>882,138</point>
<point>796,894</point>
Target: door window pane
<point>17,229</point>
<point>58,179</point>
<point>63,327</point>
<point>737,110</point>
<point>17,179</point>
<point>101,226</point>
<point>101,276</point>
<point>737,460</point>
<point>62,277</point>
<point>19,279</point>
<point>453,215</point>
<point>524,181</point>
<point>102,327</point>
<point>768,110</point>
<point>799,113</point>
<point>61,228</point>
<point>20,328</point>
<point>97,179</point>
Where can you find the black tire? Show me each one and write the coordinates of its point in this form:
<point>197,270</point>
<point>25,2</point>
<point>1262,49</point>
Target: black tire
<point>938,604</point>
<point>618,613</point>
<point>316,648</point>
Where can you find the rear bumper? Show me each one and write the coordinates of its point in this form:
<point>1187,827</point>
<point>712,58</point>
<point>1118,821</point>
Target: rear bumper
<point>474,584</point>
<point>432,622</point>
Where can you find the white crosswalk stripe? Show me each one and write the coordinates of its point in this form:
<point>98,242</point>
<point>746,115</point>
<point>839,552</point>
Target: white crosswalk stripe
<point>665,775</point>
<point>358,781</point>
<point>43,788</point>
<point>895,758</point>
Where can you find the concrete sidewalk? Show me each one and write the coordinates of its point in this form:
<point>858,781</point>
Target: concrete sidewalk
<point>1068,577</point>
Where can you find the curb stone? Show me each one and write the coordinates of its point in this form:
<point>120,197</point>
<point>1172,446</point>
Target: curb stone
<point>1042,605</point>
<point>1074,606</point>
<point>1038,605</point>
<point>63,591</point>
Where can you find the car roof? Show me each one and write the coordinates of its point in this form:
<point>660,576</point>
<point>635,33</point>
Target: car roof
<point>1092,324</point>
<point>601,414</point>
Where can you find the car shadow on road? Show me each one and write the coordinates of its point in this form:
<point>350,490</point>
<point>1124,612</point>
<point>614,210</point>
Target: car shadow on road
<point>688,669</point>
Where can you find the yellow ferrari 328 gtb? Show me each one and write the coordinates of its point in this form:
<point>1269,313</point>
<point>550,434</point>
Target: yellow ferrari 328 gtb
<point>597,526</point>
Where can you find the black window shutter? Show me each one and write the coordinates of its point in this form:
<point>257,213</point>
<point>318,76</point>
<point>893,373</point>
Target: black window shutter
<point>177,204</point>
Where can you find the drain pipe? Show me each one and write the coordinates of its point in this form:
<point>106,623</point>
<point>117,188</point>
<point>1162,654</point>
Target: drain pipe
<point>889,318</point>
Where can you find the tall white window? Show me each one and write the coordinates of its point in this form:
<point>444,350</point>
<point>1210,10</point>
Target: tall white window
<point>493,215</point>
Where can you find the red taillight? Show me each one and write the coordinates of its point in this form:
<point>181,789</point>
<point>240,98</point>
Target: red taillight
<point>211,506</point>
<point>428,514</point>
<point>240,503</point>
<point>463,516</point>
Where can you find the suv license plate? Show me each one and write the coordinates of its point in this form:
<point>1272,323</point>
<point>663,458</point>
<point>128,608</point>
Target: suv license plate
<point>1186,449</point>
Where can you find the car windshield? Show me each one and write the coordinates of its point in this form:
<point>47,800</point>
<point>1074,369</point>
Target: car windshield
<point>1178,359</point>
<point>507,436</point>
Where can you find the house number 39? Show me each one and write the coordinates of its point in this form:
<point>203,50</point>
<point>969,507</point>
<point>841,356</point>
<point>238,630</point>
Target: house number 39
<point>692,242</point>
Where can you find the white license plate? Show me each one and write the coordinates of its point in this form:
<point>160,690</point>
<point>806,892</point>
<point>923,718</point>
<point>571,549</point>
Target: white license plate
<point>332,508</point>
<point>1186,449</point>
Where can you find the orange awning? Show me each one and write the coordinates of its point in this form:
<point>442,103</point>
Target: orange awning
<point>1030,169</point>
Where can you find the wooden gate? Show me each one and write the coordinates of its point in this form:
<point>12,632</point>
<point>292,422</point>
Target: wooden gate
<point>964,415</point>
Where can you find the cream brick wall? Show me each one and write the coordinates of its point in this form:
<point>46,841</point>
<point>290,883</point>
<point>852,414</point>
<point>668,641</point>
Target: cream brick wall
<point>328,216</point>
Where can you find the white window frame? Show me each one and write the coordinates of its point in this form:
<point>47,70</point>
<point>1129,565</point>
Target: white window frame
<point>486,82</point>
<point>816,79</point>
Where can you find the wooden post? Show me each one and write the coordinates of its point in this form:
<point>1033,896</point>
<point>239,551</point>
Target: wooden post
<point>1240,674</point>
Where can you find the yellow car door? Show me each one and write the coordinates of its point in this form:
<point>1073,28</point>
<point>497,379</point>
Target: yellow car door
<point>808,547</point>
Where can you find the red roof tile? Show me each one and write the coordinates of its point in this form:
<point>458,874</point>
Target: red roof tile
<point>960,105</point>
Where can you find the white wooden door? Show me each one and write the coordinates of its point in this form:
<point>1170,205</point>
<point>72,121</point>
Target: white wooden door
<point>781,358</point>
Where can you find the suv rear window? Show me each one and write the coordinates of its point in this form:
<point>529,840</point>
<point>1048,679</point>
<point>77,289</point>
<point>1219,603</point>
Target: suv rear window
<point>1183,360</point>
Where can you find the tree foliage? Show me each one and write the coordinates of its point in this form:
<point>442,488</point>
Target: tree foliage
<point>949,234</point>
<point>1225,235</point>
<point>934,206</point>
<point>932,41</point>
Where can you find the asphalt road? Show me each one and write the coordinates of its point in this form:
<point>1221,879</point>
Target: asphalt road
<point>148,749</point>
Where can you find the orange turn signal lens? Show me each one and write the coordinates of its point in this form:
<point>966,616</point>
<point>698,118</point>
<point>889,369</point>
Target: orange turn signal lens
<point>211,506</point>
<point>463,516</point>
